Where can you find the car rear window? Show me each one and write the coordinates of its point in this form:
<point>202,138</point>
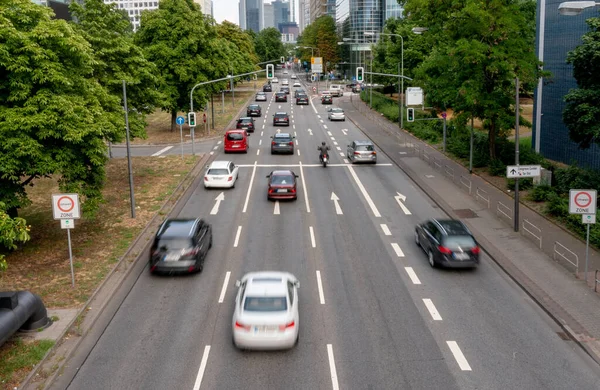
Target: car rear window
<point>218,171</point>
<point>265,304</point>
<point>279,138</point>
<point>247,120</point>
<point>337,111</point>
<point>280,115</point>
<point>235,137</point>
<point>365,148</point>
<point>282,179</point>
<point>455,242</point>
<point>170,243</point>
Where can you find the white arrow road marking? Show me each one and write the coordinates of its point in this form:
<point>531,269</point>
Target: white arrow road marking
<point>276,209</point>
<point>312,237</point>
<point>249,187</point>
<point>363,191</point>
<point>338,209</point>
<point>237,236</point>
<point>278,131</point>
<point>432,310</point>
<point>219,199</point>
<point>164,150</point>
<point>412,275</point>
<point>397,249</point>
<point>385,229</point>
<point>458,355</point>
<point>320,287</point>
<point>202,368</point>
<point>224,289</point>
<point>401,198</point>
<point>310,131</point>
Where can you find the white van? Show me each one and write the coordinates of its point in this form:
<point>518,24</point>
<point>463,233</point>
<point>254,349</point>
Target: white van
<point>336,90</point>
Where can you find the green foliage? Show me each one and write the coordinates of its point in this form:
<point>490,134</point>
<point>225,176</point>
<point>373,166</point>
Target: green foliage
<point>460,145</point>
<point>496,168</point>
<point>575,177</point>
<point>524,184</point>
<point>12,230</point>
<point>268,45</point>
<point>321,34</point>
<point>244,55</point>
<point>557,206</point>
<point>541,193</point>
<point>52,118</point>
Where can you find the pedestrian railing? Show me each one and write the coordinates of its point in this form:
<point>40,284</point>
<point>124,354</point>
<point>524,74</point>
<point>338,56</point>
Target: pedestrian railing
<point>437,164</point>
<point>566,254</point>
<point>464,180</point>
<point>534,231</point>
<point>503,209</point>
<point>449,171</point>
<point>426,157</point>
<point>483,195</point>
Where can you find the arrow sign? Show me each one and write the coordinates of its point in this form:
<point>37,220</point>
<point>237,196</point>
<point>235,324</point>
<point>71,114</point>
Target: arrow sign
<point>310,131</point>
<point>401,198</point>
<point>338,209</point>
<point>219,199</point>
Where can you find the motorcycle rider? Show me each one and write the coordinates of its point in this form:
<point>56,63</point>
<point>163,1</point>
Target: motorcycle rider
<point>323,151</point>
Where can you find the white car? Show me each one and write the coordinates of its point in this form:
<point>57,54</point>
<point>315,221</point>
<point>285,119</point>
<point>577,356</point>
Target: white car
<point>336,114</point>
<point>297,84</point>
<point>266,311</point>
<point>285,82</point>
<point>275,80</point>
<point>294,76</point>
<point>221,174</point>
<point>285,72</point>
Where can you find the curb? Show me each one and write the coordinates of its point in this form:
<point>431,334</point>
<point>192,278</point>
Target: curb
<point>169,204</point>
<point>575,331</point>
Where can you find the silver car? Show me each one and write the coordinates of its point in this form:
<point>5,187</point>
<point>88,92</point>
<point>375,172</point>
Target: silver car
<point>362,151</point>
<point>336,114</point>
<point>260,97</point>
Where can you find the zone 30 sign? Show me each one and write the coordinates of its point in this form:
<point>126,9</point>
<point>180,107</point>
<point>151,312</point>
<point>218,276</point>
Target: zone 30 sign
<point>65,206</point>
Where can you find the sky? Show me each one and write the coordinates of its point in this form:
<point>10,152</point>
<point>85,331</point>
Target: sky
<point>229,10</point>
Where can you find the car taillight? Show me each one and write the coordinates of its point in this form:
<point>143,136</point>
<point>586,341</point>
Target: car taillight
<point>155,253</point>
<point>286,119</point>
<point>271,189</point>
<point>230,178</point>
<point>286,326</point>
<point>356,153</point>
<point>444,250</point>
<point>373,152</point>
<point>475,250</point>
<point>293,190</point>
<point>290,143</point>
<point>239,325</point>
<point>191,268</point>
<point>191,252</point>
<point>205,178</point>
<point>273,143</point>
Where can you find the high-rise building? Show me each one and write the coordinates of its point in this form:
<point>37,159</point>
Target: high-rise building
<point>281,13</point>
<point>134,9</point>
<point>251,15</point>
<point>303,14</point>
<point>392,9</point>
<point>206,6</point>
<point>269,17</point>
<point>322,7</point>
<point>60,7</point>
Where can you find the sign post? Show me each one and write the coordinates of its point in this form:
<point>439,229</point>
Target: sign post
<point>180,121</point>
<point>65,207</point>
<point>584,202</point>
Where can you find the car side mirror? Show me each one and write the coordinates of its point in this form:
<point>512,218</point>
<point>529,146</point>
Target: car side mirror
<point>296,175</point>
<point>267,176</point>
<point>238,283</point>
<point>297,284</point>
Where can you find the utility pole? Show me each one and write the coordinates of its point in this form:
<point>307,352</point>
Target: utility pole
<point>131,195</point>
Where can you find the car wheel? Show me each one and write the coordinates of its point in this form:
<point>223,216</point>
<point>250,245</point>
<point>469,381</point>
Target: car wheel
<point>431,259</point>
<point>210,242</point>
<point>417,241</point>
<point>297,339</point>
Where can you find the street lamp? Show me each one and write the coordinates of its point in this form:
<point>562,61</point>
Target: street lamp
<point>572,8</point>
<point>419,30</point>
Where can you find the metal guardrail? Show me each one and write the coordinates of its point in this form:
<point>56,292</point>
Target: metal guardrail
<point>504,210</point>
<point>479,193</point>
<point>564,253</point>
<point>596,281</point>
<point>436,163</point>
<point>462,181</point>
<point>535,231</point>
<point>449,171</point>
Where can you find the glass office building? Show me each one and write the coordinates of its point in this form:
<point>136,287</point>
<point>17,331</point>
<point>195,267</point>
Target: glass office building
<point>392,9</point>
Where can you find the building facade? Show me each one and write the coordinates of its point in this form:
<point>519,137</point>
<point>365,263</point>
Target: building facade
<point>134,9</point>
<point>251,15</point>
<point>281,13</point>
<point>392,10</point>
<point>269,16</point>
<point>557,35</point>
<point>303,14</point>
<point>322,7</point>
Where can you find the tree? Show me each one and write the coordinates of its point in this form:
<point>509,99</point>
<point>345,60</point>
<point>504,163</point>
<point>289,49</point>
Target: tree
<point>479,49</point>
<point>118,58</point>
<point>179,39</point>
<point>52,119</point>
<point>12,230</point>
<point>582,112</point>
<point>243,55</point>
<point>321,34</point>
<point>268,45</point>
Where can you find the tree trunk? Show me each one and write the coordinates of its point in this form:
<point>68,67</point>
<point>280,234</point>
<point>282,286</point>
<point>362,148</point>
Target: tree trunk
<point>173,120</point>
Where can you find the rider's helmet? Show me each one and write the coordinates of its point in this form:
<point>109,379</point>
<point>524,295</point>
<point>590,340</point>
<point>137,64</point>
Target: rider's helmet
<point>323,143</point>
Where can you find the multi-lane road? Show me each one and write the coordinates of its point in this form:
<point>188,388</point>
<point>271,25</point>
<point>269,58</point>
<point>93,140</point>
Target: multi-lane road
<point>374,315</point>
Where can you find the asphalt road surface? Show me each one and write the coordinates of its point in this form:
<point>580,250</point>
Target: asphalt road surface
<point>374,315</point>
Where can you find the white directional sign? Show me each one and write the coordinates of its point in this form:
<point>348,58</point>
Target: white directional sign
<point>582,201</point>
<point>588,218</point>
<point>519,171</point>
<point>316,64</point>
<point>65,206</point>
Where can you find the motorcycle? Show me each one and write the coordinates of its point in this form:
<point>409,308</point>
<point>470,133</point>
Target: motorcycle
<point>324,160</point>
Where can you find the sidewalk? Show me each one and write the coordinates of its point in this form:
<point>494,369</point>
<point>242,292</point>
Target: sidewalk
<point>543,258</point>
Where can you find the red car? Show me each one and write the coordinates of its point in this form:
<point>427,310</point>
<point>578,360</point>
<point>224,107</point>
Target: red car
<point>282,185</point>
<point>236,141</point>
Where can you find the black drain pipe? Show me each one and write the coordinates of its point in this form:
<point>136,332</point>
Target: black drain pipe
<point>21,310</point>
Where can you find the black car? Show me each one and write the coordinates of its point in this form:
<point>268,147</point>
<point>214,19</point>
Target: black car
<point>245,123</point>
<point>286,90</point>
<point>282,143</point>
<point>253,110</point>
<point>448,243</point>
<point>327,99</point>
<point>180,246</point>
<point>301,99</point>
<point>299,92</point>
<point>267,88</point>
<point>281,118</point>
<point>281,97</point>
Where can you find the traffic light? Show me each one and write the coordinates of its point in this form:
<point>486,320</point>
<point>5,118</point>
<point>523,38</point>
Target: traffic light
<point>410,114</point>
<point>270,71</point>
<point>282,59</point>
<point>360,74</point>
<point>192,119</point>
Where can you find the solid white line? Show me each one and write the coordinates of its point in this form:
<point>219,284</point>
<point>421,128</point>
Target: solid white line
<point>298,151</point>
<point>385,229</point>
<point>312,237</point>
<point>334,380</point>
<point>412,275</point>
<point>202,368</point>
<point>312,165</point>
<point>224,289</point>
<point>364,191</point>
<point>259,142</point>
<point>304,188</point>
<point>320,287</point>
<point>164,150</point>
<point>458,355</point>
<point>276,208</point>
<point>432,310</point>
<point>237,236</point>
<point>249,188</point>
<point>257,152</point>
<point>397,249</point>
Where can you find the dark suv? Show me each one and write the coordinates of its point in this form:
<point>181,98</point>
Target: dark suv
<point>180,246</point>
<point>245,123</point>
<point>267,88</point>
<point>301,99</point>
<point>281,118</point>
<point>253,110</point>
<point>282,143</point>
<point>448,243</point>
<point>280,97</point>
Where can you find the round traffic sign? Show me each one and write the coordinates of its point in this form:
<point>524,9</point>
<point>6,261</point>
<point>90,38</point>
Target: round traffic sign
<point>583,199</point>
<point>65,204</point>
<point>180,120</point>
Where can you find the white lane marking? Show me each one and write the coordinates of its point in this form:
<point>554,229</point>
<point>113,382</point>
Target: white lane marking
<point>341,154</point>
<point>304,188</point>
<point>294,126</point>
<point>329,133</point>
<point>218,199</point>
<point>385,229</point>
<point>321,120</point>
<point>318,116</point>
<point>259,142</point>
<point>263,127</point>
<point>224,289</point>
<point>320,287</point>
<point>429,176</point>
<point>334,379</point>
<point>276,208</point>
<point>211,153</point>
<point>312,237</point>
<point>345,161</point>
<point>402,152</point>
<point>412,275</point>
<point>313,165</point>
<point>215,148</point>
<point>310,131</point>
<point>164,150</point>
<point>249,188</point>
<point>298,151</point>
<point>202,368</point>
<point>401,198</point>
<point>279,106</point>
<point>335,142</point>
<point>432,310</point>
<point>363,190</point>
<point>332,138</point>
<point>458,355</point>
<point>261,133</point>
<point>295,135</point>
<point>257,152</point>
<point>296,142</point>
<point>338,209</point>
<point>237,236</point>
<point>338,148</point>
<point>219,143</point>
<point>397,249</point>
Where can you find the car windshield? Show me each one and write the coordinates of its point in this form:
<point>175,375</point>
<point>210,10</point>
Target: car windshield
<point>235,137</point>
<point>456,242</point>
<point>265,304</point>
<point>282,179</point>
<point>173,243</point>
<point>364,148</point>
<point>218,171</point>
